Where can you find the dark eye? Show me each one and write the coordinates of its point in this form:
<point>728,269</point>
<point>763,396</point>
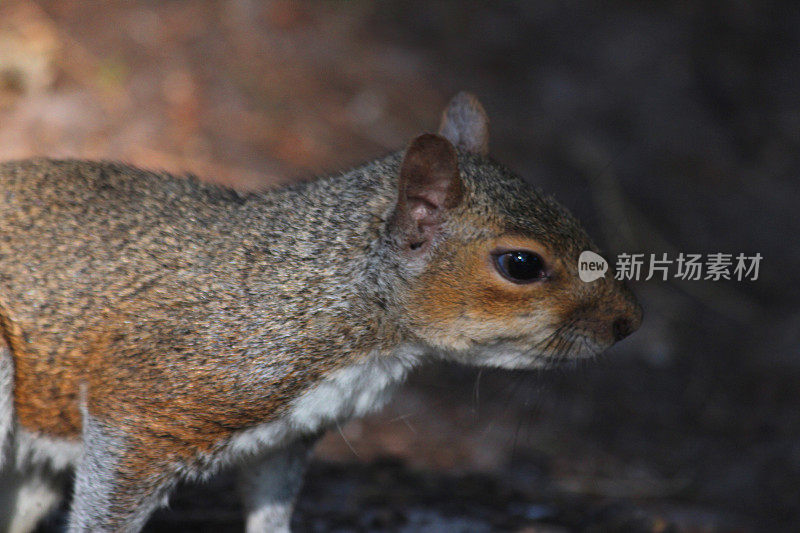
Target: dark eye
<point>520,266</point>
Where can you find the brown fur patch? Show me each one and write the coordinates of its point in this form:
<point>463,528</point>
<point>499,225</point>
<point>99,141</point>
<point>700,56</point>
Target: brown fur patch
<point>464,285</point>
<point>147,381</point>
<point>45,398</point>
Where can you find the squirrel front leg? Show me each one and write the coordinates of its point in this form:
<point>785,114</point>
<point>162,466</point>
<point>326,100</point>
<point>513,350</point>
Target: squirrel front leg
<point>269,486</point>
<point>118,483</point>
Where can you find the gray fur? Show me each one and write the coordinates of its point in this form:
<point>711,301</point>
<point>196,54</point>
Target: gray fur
<point>6,402</point>
<point>27,496</point>
<point>55,454</point>
<point>32,469</point>
<point>94,477</point>
<point>269,485</point>
<point>465,124</point>
<point>104,500</point>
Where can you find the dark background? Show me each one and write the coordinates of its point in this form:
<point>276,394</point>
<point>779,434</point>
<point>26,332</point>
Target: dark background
<point>665,126</point>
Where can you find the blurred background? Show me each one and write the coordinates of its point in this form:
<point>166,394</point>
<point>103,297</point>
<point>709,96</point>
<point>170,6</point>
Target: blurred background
<point>665,126</point>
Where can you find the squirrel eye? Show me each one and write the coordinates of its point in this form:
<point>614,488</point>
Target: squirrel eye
<point>520,266</point>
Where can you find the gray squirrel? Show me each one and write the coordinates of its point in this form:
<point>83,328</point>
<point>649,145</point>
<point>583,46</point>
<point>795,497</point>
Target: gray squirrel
<point>155,329</point>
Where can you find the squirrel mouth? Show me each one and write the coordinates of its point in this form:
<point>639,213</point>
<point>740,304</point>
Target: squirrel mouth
<point>568,342</point>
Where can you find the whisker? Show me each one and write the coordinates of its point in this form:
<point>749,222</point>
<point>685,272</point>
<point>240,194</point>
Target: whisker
<point>476,391</point>
<point>338,427</point>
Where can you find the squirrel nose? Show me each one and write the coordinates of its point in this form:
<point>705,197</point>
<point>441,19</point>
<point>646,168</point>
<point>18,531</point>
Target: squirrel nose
<point>629,317</point>
<point>621,328</point>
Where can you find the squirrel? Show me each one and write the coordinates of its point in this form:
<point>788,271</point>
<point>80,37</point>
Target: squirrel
<point>155,329</point>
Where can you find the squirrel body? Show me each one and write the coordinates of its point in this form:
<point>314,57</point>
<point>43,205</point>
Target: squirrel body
<point>156,328</point>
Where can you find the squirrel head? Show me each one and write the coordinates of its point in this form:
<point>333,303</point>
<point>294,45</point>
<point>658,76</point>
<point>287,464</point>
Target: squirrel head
<point>489,264</point>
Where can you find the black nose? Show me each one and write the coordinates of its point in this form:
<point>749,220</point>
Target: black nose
<point>621,328</point>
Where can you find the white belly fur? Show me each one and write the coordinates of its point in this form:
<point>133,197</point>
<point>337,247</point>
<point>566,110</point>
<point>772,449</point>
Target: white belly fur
<point>349,392</point>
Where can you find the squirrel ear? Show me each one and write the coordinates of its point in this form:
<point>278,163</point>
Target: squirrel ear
<point>465,124</point>
<point>429,184</point>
